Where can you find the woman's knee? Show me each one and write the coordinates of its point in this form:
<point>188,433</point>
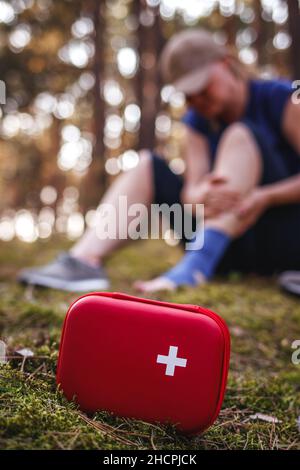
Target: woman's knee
<point>239,133</point>
<point>140,177</point>
<point>143,170</point>
<point>145,159</point>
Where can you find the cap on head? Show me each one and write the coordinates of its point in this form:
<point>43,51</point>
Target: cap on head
<point>186,60</point>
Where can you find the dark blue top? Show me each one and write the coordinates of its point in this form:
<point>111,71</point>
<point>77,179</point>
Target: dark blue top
<point>264,113</point>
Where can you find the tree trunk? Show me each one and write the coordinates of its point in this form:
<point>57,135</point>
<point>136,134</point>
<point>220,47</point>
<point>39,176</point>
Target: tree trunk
<point>96,181</point>
<point>294,29</point>
<point>261,28</point>
<point>151,41</point>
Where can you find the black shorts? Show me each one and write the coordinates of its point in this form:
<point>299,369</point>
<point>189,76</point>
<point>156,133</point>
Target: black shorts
<point>271,245</point>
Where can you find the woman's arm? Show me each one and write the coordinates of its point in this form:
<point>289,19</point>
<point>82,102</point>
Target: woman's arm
<point>291,124</point>
<point>263,197</point>
<point>284,192</point>
<point>196,155</point>
<point>201,186</point>
<point>288,190</point>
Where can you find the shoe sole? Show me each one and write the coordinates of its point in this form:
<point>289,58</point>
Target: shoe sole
<point>290,282</point>
<point>69,286</point>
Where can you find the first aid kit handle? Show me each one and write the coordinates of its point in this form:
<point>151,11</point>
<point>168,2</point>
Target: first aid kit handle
<point>121,296</point>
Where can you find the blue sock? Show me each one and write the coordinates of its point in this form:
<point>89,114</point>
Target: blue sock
<point>202,260</point>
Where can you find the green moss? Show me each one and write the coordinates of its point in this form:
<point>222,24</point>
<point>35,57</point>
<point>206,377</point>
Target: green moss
<point>263,324</point>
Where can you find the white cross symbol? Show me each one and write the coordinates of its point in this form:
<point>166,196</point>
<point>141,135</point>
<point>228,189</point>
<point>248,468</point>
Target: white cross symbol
<point>171,360</point>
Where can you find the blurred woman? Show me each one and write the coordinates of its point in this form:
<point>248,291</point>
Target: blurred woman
<point>242,153</point>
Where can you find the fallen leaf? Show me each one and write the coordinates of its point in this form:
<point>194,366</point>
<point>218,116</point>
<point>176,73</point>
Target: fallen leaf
<point>25,352</point>
<point>237,331</point>
<point>267,418</point>
<point>3,359</point>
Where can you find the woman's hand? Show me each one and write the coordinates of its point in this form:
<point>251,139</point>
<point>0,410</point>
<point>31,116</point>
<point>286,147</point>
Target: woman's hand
<point>252,207</point>
<point>216,195</point>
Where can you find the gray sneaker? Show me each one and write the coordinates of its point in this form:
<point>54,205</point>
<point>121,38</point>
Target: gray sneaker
<point>66,273</point>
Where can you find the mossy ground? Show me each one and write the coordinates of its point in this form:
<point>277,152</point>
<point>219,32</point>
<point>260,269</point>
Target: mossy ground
<point>263,323</point>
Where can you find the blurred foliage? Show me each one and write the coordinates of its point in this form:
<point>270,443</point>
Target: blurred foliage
<point>84,93</point>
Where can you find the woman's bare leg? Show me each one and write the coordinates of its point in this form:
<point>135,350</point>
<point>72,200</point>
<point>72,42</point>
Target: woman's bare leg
<point>239,161</point>
<point>137,186</point>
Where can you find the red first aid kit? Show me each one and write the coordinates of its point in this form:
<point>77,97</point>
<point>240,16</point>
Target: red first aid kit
<point>146,359</point>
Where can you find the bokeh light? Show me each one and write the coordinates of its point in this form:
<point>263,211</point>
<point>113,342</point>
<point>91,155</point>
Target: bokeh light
<point>25,226</point>
<point>7,13</point>
<point>20,37</point>
<point>127,61</point>
<point>128,160</point>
